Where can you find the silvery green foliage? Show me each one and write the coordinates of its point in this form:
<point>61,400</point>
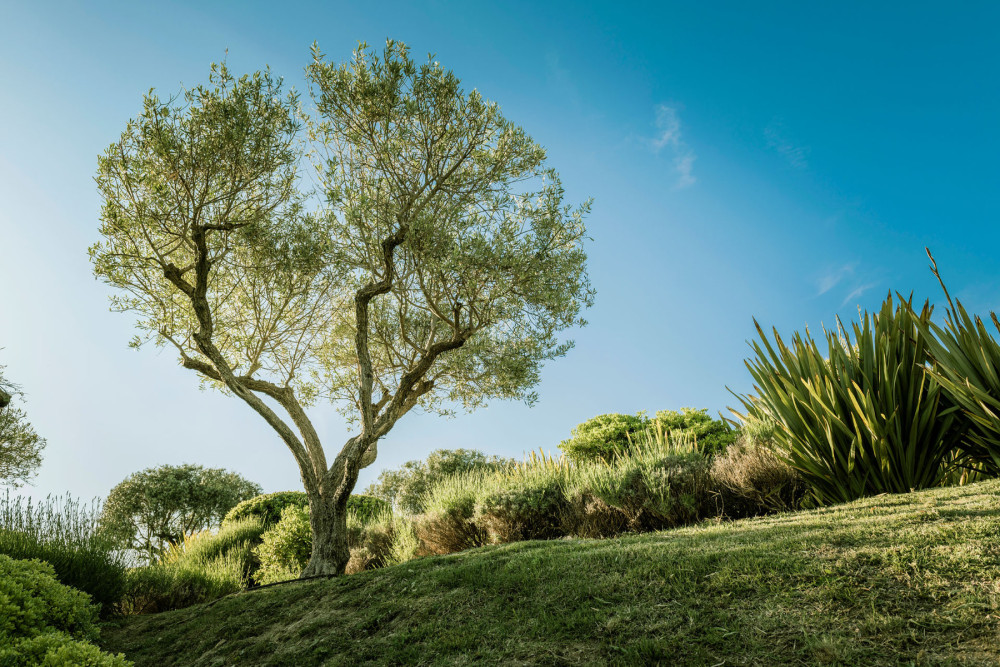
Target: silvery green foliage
<point>20,446</point>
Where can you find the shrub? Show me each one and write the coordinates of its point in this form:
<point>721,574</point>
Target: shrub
<point>286,547</point>
<point>526,502</point>
<point>43,622</point>
<point>64,533</point>
<point>862,418</point>
<point>154,509</point>
<point>447,524</point>
<point>749,479</point>
<point>267,507</point>
<point>603,437</point>
<point>712,435</point>
<point>367,508</point>
<point>406,488</point>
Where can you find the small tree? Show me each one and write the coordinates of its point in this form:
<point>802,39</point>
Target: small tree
<point>154,509</point>
<point>437,272</point>
<point>20,446</point>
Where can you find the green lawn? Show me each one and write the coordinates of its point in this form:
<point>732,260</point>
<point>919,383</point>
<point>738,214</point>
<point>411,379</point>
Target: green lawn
<point>906,579</point>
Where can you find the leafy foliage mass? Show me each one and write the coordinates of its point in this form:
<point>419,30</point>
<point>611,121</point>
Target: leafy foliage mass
<point>154,509</point>
<point>267,507</point>
<point>606,437</point>
<point>406,487</point>
<point>967,365</point>
<point>20,446</point>
<point>861,417</point>
<point>43,622</point>
<point>64,533</point>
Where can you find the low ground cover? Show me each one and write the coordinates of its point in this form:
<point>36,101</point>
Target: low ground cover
<point>889,580</point>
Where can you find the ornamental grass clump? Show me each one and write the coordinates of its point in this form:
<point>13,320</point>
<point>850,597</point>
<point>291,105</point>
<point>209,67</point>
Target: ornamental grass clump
<point>862,417</point>
<point>662,484</point>
<point>751,479</point>
<point>967,365</point>
<point>447,524</point>
<point>64,533</point>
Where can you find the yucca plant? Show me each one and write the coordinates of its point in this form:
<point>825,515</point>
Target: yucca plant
<point>865,417</point>
<point>967,366</point>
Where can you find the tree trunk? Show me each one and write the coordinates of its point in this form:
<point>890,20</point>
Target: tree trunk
<point>330,551</point>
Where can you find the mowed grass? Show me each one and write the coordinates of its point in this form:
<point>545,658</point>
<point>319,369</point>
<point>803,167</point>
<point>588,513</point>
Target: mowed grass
<point>891,580</point>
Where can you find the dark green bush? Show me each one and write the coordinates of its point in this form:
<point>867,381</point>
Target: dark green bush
<point>603,438</point>
<point>367,508</point>
<point>64,533</point>
<point>44,622</point>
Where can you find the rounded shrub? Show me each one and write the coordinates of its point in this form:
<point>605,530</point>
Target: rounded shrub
<point>285,548</point>
<point>603,438</point>
<point>267,507</point>
<point>44,622</point>
<point>531,507</point>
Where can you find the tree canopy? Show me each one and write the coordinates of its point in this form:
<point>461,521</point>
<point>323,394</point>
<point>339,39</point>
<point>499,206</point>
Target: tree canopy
<point>20,446</point>
<point>155,508</point>
<point>433,265</point>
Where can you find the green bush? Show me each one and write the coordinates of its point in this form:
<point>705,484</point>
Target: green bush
<point>712,435</point>
<point>267,507</point>
<point>863,417</point>
<point>286,547</point>
<point>406,488</point>
<point>44,622</point>
<point>527,503</point>
<point>447,524</point>
<point>64,533</point>
<point>367,508</point>
<point>651,491</point>
<point>603,437</point>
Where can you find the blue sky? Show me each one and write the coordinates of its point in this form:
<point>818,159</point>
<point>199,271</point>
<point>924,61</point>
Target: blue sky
<point>782,161</point>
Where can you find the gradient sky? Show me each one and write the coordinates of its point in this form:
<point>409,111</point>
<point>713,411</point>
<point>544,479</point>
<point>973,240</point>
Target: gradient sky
<point>782,161</point>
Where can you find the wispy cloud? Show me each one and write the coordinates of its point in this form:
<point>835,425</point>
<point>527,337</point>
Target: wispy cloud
<point>857,292</point>
<point>668,124</point>
<point>779,139</point>
<point>834,277</point>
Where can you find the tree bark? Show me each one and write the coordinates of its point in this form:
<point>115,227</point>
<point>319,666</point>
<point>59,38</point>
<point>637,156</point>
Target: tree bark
<point>330,550</point>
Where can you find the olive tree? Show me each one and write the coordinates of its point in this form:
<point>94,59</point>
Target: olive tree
<point>20,446</point>
<point>154,509</point>
<point>434,267</point>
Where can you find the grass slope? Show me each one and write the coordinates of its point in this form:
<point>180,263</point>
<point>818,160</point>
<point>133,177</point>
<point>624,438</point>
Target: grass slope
<point>906,579</point>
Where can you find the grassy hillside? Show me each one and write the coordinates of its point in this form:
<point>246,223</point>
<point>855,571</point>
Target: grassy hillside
<point>906,579</point>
